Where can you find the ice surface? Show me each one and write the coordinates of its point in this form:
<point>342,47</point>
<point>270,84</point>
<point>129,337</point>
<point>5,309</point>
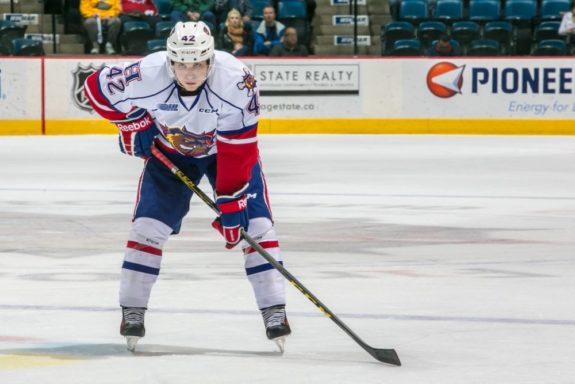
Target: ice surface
<point>457,251</point>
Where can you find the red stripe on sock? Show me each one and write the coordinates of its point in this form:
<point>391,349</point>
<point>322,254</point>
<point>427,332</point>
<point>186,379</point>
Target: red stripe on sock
<point>144,248</point>
<point>264,244</point>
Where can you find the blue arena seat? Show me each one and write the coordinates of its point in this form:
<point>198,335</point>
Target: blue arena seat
<point>10,31</point>
<point>553,9</point>
<point>406,47</point>
<point>448,11</point>
<point>163,29</point>
<point>134,37</point>
<point>547,30</point>
<point>429,31</point>
<point>465,31</point>
<point>500,31</point>
<point>291,9</point>
<point>550,48</point>
<point>483,11</point>
<point>393,31</point>
<point>27,47</point>
<point>484,47</point>
<point>520,11</point>
<point>258,9</point>
<point>155,45</point>
<point>164,8</point>
<point>414,11</point>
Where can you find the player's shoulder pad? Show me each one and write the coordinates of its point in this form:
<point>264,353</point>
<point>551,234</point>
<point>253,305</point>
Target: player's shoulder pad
<point>231,77</point>
<point>154,68</point>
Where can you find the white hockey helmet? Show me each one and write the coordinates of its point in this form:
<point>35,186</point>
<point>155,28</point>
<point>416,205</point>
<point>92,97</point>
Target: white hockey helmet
<point>190,42</point>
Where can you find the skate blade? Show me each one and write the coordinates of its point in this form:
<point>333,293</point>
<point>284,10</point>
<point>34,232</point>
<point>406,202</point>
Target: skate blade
<point>132,341</point>
<point>280,342</point>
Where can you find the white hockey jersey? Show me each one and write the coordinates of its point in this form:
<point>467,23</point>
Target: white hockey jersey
<point>222,118</point>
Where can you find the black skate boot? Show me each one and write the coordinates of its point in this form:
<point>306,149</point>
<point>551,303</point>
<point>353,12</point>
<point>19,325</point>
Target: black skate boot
<point>132,325</point>
<point>277,326</point>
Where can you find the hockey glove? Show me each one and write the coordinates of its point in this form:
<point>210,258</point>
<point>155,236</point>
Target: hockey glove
<point>233,217</point>
<point>137,133</point>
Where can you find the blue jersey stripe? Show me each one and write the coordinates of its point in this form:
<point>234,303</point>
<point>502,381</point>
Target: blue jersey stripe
<point>140,268</point>
<point>260,268</point>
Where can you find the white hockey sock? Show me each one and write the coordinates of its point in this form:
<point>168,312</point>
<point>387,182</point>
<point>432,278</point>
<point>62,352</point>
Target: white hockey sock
<point>268,284</point>
<point>142,260</point>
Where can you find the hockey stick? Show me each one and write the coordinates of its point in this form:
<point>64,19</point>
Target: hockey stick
<point>384,355</point>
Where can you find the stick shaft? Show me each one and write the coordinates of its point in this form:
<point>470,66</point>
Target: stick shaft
<point>270,259</point>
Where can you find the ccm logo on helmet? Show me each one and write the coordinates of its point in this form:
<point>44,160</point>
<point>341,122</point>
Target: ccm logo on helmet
<point>137,125</point>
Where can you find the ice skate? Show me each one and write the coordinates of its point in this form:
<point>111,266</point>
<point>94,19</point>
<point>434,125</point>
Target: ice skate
<point>276,323</point>
<point>132,326</point>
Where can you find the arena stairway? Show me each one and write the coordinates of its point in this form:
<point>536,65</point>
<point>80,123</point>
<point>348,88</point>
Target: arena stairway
<point>325,31</point>
<point>69,44</point>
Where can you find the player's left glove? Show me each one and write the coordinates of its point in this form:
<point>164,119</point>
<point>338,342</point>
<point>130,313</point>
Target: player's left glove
<point>137,133</point>
<point>233,217</point>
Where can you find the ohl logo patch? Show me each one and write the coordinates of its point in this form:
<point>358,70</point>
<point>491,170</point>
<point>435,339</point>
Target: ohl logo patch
<point>445,79</point>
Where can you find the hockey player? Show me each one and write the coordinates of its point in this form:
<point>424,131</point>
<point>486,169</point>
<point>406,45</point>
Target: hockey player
<point>200,108</point>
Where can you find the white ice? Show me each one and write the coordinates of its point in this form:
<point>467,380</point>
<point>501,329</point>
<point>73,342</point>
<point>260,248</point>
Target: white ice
<point>457,251</point>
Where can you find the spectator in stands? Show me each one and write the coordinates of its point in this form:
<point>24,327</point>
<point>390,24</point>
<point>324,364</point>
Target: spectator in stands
<point>444,47</point>
<point>567,27</point>
<point>102,23</point>
<point>223,7</point>
<point>140,10</point>
<point>269,32</point>
<point>289,45</point>
<point>194,10</point>
<point>235,37</point>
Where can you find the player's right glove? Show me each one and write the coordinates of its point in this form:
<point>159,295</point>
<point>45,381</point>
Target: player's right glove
<point>233,217</point>
<point>137,133</point>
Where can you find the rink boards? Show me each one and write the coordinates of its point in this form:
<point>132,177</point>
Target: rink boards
<point>329,95</point>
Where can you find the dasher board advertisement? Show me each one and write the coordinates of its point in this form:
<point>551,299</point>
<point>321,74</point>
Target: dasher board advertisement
<point>489,88</point>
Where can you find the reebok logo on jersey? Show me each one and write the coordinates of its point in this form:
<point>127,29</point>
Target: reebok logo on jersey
<point>168,107</point>
<point>445,79</point>
<point>138,125</point>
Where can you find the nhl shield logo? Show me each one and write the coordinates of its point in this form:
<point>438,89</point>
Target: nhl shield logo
<point>80,74</point>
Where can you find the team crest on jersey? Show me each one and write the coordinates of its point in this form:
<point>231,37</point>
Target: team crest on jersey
<point>80,74</point>
<point>248,82</point>
<point>188,143</point>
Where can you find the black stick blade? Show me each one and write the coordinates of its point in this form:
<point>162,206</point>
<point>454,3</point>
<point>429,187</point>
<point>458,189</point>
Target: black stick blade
<point>388,356</point>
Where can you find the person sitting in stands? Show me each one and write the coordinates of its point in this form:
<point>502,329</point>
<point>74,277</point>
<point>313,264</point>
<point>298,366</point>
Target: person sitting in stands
<point>234,37</point>
<point>445,47</point>
<point>140,10</point>
<point>567,27</point>
<point>289,45</point>
<point>268,33</point>
<point>223,7</point>
<point>100,16</point>
<point>193,10</point>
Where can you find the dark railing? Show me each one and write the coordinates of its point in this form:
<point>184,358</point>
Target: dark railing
<point>353,11</point>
